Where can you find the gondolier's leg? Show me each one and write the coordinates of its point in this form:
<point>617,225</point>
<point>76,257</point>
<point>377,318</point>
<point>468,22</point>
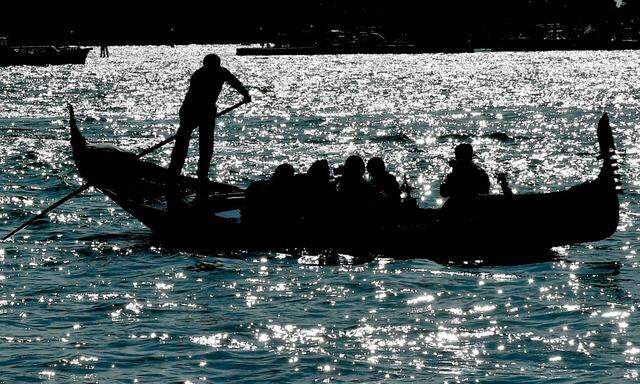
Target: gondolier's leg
<point>207,127</point>
<point>179,155</point>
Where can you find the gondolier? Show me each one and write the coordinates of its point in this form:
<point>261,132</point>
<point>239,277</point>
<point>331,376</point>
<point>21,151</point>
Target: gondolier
<point>199,110</point>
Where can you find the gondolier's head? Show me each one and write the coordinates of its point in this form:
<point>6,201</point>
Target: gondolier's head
<point>464,153</point>
<point>211,61</point>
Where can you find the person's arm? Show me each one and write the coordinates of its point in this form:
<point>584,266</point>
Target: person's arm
<point>504,184</point>
<point>395,188</point>
<point>238,86</point>
<point>444,187</point>
<point>486,185</point>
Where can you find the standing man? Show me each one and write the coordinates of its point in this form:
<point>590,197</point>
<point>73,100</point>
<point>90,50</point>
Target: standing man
<point>199,110</point>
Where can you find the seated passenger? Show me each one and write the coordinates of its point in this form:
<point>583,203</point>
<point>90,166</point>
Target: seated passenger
<point>257,196</point>
<point>316,194</point>
<point>271,199</point>
<point>356,199</point>
<point>319,173</point>
<point>317,180</point>
<point>282,178</point>
<point>384,183</point>
<point>283,194</point>
<point>466,179</point>
<point>352,184</point>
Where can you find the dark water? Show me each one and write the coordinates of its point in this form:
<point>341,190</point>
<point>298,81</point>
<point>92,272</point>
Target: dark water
<point>87,297</point>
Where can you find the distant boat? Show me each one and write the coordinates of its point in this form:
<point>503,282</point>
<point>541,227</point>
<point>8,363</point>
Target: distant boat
<point>41,54</point>
<point>332,50</point>
<point>338,42</point>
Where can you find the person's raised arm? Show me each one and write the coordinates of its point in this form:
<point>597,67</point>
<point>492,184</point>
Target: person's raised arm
<point>238,86</point>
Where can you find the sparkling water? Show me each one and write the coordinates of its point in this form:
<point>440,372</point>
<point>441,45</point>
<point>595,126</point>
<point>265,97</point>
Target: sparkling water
<point>87,296</point>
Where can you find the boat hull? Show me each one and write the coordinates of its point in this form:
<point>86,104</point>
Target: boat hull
<point>47,55</point>
<point>498,226</point>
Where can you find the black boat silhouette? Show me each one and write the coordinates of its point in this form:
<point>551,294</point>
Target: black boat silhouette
<point>491,227</point>
<point>41,54</point>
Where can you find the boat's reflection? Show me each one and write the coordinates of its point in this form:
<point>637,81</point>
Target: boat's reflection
<point>328,257</point>
<point>142,240</point>
<point>501,258</point>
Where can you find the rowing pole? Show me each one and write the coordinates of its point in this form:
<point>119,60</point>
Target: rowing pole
<point>86,186</point>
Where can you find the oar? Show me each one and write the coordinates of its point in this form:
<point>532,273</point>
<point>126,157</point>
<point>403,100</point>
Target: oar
<point>49,209</point>
<point>84,187</point>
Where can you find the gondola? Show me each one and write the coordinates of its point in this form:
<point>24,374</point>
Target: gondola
<point>489,227</point>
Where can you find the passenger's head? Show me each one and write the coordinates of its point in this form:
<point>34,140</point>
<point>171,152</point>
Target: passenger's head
<point>464,153</point>
<point>320,170</point>
<point>283,172</point>
<point>375,166</point>
<point>211,61</point>
<point>354,166</point>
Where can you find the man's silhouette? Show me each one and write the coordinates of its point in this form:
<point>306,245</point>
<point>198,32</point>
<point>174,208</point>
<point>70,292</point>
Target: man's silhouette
<point>383,182</point>
<point>199,110</point>
<point>467,179</point>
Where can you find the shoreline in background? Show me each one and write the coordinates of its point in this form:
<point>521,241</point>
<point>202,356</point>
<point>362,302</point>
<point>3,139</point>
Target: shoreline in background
<point>506,46</point>
<point>463,25</point>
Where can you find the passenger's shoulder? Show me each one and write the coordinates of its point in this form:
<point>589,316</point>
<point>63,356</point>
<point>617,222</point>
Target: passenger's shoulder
<point>257,184</point>
<point>300,177</point>
<point>197,74</point>
<point>366,184</point>
<point>479,170</point>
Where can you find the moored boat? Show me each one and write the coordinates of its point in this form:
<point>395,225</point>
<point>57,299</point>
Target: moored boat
<point>339,42</point>
<point>485,227</point>
<point>41,54</point>
<point>341,50</point>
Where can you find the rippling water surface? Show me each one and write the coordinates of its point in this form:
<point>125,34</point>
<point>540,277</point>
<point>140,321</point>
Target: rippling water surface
<point>85,296</point>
